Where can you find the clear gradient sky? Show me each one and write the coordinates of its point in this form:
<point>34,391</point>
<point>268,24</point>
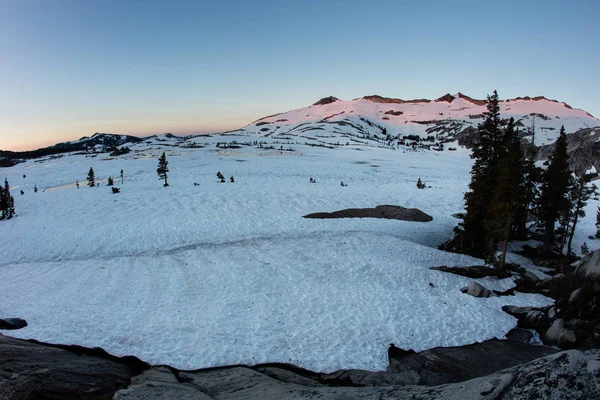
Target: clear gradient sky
<point>69,68</point>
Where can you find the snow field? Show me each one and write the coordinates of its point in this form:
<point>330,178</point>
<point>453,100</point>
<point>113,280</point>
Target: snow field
<point>222,273</point>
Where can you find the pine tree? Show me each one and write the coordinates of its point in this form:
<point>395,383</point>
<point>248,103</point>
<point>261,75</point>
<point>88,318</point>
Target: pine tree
<point>90,178</point>
<point>584,189</point>
<point>598,223</point>
<point>508,194</point>
<point>555,183</point>
<point>532,177</point>
<point>163,168</point>
<point>7,202</point>
<point>472,239</point>
<point>566,216</point>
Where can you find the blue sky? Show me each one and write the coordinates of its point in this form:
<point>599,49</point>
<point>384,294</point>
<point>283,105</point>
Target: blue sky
<point>71,68</point>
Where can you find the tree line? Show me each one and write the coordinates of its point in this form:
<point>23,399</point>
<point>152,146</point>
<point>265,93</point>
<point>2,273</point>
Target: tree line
<point>507,192</point>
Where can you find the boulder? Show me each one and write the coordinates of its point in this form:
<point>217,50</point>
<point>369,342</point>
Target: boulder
<point>589,266</point>
<point>529,317</point>
<point>159,383</point>
<point>477,290</point>
<point>560,336</point>
<point>575,296</point>
<point>33,371</point>
<point>12,323</point>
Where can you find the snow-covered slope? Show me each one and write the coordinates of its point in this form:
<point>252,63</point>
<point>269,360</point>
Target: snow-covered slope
<point>332,120</point>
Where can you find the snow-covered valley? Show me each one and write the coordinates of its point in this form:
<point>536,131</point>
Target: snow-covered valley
<point>215,274</point>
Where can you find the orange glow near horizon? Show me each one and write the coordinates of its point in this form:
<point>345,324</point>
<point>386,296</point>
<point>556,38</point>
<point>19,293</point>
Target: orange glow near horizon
<point>32,137</point>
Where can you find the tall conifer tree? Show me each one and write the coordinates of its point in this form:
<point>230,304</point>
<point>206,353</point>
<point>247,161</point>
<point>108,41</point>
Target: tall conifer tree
<point>508,196</point>
<point>555,184</point>
<point>472,239</point>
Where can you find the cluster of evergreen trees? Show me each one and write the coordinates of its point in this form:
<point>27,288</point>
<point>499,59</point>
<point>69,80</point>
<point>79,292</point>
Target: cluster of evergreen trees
<point>506,189</point>
<point>7,202</point>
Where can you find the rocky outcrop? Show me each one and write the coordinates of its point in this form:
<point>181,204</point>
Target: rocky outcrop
<point>491,370</point>
<point>34,371</point>
<point>388,100</point>
<point>385,212</point>
<point>159,383</point>
<point>570,374</point>
<point>583,149</point>
<point>442,365</point>
<point>326,100</point>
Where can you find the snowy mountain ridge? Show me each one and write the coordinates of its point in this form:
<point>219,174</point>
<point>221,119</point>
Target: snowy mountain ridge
<point>443,118</point>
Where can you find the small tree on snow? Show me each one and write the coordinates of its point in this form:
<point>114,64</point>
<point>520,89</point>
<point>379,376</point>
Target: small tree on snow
<point>110,181</point>
<point>91,178</point>
<point>585,249</point>
<point>7,202</point>
<point>163,168</point>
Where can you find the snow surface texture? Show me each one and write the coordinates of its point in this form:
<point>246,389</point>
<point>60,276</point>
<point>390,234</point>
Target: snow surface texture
<point>230,273</point>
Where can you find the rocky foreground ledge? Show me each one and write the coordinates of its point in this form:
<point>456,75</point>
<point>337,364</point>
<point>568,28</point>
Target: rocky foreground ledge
<point>492,370</point>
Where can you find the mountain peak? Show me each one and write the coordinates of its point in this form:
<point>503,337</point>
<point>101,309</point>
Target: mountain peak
<point>448,98</point>
<point>459,95</point>
<point>326,100</point>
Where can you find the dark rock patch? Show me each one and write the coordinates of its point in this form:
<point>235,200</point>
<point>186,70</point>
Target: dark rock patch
<point>12,323</point>
<point>475,272</point>
<point>394,113</point>
<point>385,212</point>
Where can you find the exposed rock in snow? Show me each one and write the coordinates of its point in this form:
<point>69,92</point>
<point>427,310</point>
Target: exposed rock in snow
<point>386,212</point>
<point>12,323</point>
<point>477,290</point>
